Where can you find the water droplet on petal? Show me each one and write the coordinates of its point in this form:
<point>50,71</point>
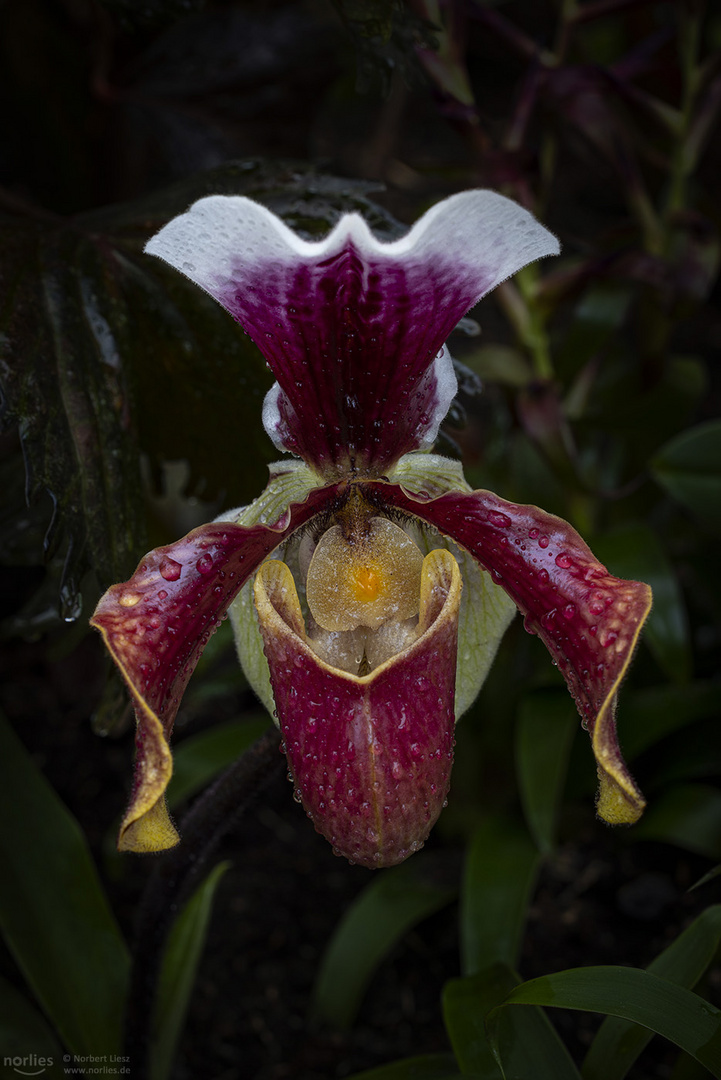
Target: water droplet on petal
<point>205,564</point>
<point>170,569</point>
<point>501,521</point>
<point>563,561</point>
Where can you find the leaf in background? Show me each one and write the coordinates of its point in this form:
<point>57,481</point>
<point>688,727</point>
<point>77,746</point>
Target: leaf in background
<point>177,974</point>
<point>53,912</point>
<point>547,723</point>
<point>387,909</point>
<point>650,715</point>
<point>64,384</point>
<point>618,1043</point>
<point>689,468</point>
<point>499,363</point>
<point>427,1067</point>
<point>532,1049</point>
<point>679,1015</point>
<point>500,873</point>
<point>688,816</point>
<point>634,551</point>
<point>24,1031</point>
<point>105,352</point>
<point>198,759</point>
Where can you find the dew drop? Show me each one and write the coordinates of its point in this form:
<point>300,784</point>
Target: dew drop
<point>162,594</point>
<point>563,561</point>
<point>205,564</point>
<point>569,611</point>
<point>501,521</point>
<point>170,569</point>
<point>543,541</point>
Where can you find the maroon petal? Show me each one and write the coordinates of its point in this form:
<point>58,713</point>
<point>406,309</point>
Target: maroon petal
<point>371,756</point>
<point>155,627</point>
<point>588,620</point>
<point>352,328</point>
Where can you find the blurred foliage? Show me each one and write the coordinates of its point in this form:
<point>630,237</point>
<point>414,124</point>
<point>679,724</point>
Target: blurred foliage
<point>131,412</point>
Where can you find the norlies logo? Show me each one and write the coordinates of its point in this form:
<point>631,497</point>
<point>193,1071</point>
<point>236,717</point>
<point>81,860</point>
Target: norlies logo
<point>28,1064</point>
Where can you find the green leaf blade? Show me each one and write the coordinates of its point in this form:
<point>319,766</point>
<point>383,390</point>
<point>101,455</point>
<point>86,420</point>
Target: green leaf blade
<point>395,901</point>
<point>677,1014</point>
<point>53,912</point>
<point>177,975</point>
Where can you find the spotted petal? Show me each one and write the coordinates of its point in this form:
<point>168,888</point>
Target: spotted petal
<point>588,619</point>
<point>353,328</point>
<point>156,625</point>
<point>371,755</point>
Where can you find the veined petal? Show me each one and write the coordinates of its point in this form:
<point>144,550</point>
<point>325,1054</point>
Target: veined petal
<point>588,620</point>
<point>155,627</point>
<point>353,328</point>
<point>371,755</point>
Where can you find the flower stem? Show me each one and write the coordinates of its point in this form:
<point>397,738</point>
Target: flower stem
<point>175,875</point>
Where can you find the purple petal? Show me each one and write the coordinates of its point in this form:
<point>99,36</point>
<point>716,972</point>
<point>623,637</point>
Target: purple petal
<point>371,756</point>
<point>155,627</point>
<point>588,620</point>
<point>353,328</point>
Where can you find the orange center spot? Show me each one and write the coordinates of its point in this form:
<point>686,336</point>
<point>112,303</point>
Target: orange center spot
<point>367,583</point>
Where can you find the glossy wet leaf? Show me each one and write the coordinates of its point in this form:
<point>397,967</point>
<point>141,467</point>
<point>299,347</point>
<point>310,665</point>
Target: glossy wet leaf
<point>618,1043</point>
<point>201,757</point>
<point>54,914</point>
<point>635,551</point>
<point>531,1047</point>
<point>546,727</point>
<point>500,873</point>
<point>689,468</point>
<point>658,1004</point>
<point>177,975</point>
<point>396,900</point>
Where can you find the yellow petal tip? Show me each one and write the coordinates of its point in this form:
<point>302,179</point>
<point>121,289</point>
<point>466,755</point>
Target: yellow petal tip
<point>152,831</point>
<point>615,805</point>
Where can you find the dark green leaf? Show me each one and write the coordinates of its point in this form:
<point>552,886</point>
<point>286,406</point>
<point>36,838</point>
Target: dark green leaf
<point>689,816</point>
<point>53,911</point>
<point>427,1067</point>
<point>387,909</point>
<point>689,467</point>
<point>635,552</point>
<point>531,1047</point>
<point>177,975</point>
<point>24,1033</point>
<point>651,714</point>
<point>198,759</point>
<point>618,1042</point>
<point>547,723</point>
<point>657,1004</point>
<point>500,873</point>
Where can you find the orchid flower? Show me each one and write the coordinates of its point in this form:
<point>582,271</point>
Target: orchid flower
<point>368,585</point>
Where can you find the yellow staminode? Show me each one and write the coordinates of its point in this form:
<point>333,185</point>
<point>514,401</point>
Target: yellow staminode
<point>367,576</point>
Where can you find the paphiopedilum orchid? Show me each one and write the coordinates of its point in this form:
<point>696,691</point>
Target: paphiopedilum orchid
<point>368,586</point>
